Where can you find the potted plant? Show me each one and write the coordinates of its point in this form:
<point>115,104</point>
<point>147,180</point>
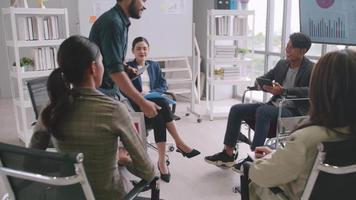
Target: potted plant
<point>242,52</point>
<point>26,64</point>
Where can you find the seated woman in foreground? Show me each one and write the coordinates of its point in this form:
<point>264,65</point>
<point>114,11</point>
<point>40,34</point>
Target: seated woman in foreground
<point>152,80</point>
<point>79,118</point>
<point>332,117</point>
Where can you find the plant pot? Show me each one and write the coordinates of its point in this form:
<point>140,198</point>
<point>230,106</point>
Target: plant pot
<point>26,68</point>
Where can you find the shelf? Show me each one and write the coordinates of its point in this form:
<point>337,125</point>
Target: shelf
<point>27,103</point>
<point>34,43</point>
<point>174,69</point>
<point>31,74</point>
<point>34,11</point>
<point>180,91</point>
<point>229,60</point>
<point>226,37</point>
<point>229,81</point>
<point>16,20</point>
<point>179,80</point>
<point>228,30</point>
<point>231,12</point>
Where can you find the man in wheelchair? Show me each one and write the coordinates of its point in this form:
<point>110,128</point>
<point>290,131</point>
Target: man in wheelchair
<point>290,76</point>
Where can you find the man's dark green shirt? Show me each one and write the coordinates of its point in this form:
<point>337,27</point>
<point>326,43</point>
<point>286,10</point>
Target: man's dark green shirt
<point>110,33</point>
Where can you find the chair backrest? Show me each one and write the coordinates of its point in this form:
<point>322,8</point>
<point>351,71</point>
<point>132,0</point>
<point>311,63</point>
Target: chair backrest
<point>334,172</point>
<point>138,120</point>
<point>38,93</point>
<point>37,174</point>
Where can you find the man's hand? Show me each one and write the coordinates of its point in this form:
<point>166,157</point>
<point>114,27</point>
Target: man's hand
<point>149,108</point>
<point>131,71</point>
<point>275,89</point>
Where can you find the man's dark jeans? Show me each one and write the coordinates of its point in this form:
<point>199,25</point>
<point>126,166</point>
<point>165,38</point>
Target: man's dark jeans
<point>262,114</point>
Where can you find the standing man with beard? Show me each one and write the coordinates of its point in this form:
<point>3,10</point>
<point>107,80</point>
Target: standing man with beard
<point>110,33</point>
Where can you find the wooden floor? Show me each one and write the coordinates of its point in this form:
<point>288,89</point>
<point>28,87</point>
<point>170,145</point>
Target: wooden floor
<point>192,179</point>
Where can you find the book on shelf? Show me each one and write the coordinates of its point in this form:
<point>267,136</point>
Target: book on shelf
<point>45,58</point>
<point>38,28</point>
<point>224,52</point>
<point>22,28</point>
<point>239,26</point>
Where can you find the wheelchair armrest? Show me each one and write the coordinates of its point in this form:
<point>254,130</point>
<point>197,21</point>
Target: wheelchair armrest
<point>246,167</point>
<point>248,89</point>
<point>252,87</point>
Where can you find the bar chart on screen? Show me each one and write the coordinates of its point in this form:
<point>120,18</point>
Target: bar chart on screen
<point>329,21</point>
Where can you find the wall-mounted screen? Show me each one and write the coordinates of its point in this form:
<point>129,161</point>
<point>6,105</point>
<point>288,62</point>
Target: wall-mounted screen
<point>329,21</point>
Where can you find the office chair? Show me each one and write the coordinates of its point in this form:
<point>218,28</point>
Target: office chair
<point>37,174</point>
<point>333,175</point>
<point>38,93</point>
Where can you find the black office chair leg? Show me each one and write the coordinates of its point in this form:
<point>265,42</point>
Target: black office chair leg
<point>155,190</point>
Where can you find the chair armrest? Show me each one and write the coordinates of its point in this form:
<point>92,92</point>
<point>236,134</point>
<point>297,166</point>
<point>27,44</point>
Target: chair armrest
<point>174,98</point>
<point>244,186</point>
<point>140,187</point>
<point>279,193</point>
<point>244,181</point>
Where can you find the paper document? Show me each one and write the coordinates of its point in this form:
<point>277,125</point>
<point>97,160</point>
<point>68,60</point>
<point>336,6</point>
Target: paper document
<point>156,95</point>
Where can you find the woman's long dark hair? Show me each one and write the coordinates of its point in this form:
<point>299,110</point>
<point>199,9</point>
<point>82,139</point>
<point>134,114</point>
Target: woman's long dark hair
<point>333,91</point>
<point>75,56</point>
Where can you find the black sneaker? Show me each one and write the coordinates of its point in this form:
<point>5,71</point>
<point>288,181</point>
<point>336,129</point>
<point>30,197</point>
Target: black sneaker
<point>221,159</point>
<point>238,166</point>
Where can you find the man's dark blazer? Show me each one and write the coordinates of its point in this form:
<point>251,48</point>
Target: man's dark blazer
<point>301,84</point>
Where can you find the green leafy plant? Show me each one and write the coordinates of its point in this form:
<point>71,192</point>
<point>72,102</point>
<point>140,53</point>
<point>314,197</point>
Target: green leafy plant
<point>25,61</point>
<point>242,51</point>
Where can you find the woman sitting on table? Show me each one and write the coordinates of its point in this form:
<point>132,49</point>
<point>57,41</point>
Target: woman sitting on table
<point>332,95</point>
<point>79,118</point>
<point>152,80</point>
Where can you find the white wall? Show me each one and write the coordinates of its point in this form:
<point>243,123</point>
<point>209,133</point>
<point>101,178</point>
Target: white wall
<point>73,29</point>
<point>4,71</point>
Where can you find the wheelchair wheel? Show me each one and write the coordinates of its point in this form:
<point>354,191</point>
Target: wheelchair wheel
<point>186,114</point>
<point>236,189</point>
<point>199,120</point>
<point>168,162</point>
<point>171,148</point>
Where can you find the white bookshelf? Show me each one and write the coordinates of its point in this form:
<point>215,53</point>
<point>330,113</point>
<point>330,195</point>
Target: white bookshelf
<point>227,32</point>
<point>35,33</point>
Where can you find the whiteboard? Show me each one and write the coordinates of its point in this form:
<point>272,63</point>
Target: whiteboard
<point>167,25</point>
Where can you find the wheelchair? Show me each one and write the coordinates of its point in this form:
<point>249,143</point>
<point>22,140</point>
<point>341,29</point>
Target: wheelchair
<point>283,127</point>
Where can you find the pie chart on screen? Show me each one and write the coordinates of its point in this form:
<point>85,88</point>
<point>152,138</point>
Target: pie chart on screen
<point>325,3</point>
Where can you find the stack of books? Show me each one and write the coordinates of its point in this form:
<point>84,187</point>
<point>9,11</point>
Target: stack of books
<point>223,25</point>
<point>225,52</point>
<point>231,72</point>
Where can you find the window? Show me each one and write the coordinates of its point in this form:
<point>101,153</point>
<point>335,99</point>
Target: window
<point>260,8</point>
<point>277,26</point>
